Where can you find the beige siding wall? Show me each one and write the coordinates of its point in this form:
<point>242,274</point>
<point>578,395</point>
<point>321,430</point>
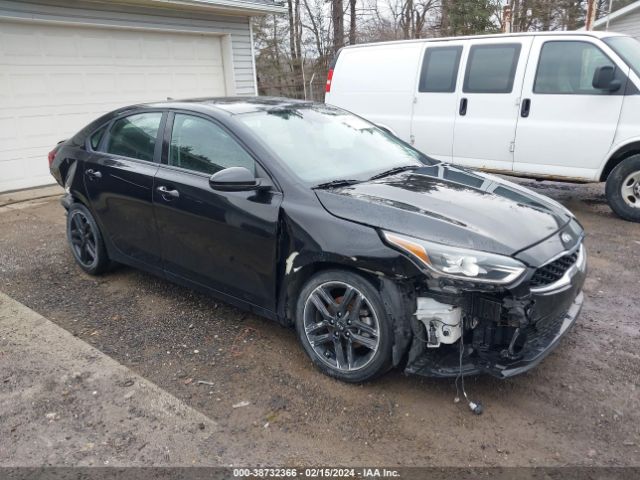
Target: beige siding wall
<point>163,19</point>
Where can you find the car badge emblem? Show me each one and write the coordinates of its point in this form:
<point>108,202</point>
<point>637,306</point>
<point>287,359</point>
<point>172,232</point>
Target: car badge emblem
<point>566,238</point>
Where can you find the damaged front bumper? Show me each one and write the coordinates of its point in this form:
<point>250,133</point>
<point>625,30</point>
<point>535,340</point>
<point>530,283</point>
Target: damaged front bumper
<point>503,335</point>
<point>544,343</point>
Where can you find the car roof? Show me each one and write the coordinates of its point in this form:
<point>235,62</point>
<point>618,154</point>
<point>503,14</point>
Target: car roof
<point>590,33</point>
<point>230,105</point>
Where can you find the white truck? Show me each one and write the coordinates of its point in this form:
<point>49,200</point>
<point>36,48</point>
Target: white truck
<point>556,105</point>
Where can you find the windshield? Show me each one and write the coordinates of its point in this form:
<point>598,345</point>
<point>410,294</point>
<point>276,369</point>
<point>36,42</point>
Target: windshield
<point>629,50</point>
<point>320,143</point>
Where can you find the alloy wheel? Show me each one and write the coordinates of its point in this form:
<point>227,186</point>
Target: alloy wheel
<point>83,239</point>
<point>631,190</point>
<point>341,326</point>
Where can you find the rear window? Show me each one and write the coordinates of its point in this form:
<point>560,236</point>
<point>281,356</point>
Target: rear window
<point>135,136</point>
<point>491,68</point>
<point>440,69</point>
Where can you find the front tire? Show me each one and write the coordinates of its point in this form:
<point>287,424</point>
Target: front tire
<point>623,189</point>
<point>85,240</point>
<point>343,327</point>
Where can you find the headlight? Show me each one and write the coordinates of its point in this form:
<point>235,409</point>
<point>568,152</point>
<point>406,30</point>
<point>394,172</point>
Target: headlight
<point>459,263</point>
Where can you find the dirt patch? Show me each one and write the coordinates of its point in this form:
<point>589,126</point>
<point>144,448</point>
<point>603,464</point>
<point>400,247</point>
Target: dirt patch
<point>580,406</point>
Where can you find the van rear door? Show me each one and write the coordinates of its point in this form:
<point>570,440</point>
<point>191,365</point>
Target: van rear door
<point>566,125</point>
<point>488,102</point>
<point>436,103</point>
<point>377,82</point>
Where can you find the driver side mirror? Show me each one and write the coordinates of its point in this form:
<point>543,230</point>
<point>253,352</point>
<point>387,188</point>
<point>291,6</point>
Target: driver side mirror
<point>604,79</point>
<point>237,179</point>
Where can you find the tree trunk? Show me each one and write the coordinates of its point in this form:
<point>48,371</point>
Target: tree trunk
<point>444,18</point>
<point>337,16</point>
<point>352,22</point>
<point>298,32</point>
<point>292,32</point>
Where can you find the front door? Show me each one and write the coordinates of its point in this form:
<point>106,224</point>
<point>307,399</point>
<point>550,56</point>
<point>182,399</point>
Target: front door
<point>118,177</point>
<point>435,106</point>
<point>566,126</point>
<point>488,103</point>
<point>225,241</point>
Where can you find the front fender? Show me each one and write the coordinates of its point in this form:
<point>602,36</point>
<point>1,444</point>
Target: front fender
<point>320,241</point>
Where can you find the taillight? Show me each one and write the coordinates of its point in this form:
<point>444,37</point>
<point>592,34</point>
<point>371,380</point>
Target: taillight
<point>52,155</point>
<point>329,78</point>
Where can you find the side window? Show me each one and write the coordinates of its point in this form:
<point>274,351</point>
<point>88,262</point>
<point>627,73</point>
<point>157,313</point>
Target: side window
<point>491,68</point>
<point>135,136</point>
<point>567,67</point>
<point>200,145</point>
<point>96,138</point>
<point>440,69</point>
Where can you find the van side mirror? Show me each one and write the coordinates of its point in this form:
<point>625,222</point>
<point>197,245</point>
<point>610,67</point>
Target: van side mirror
<point>237,179</point>
<point>604,79</point>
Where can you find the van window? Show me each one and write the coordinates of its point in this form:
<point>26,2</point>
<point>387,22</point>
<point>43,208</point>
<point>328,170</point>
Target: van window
<point>440,69</point>
<point>491,68</point>
<point>628,48</point>
<point>567,67</point>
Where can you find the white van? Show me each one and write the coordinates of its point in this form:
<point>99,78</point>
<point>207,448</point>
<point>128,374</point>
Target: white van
<point>553,105</point>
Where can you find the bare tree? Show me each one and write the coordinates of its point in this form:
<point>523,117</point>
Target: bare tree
<point>337,17</point>
<point>352,22</point>
<point>301,44</point>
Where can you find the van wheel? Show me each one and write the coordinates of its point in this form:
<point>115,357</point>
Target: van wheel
<point>86,240</point>
<point>343,326</point>
<point>623,189</point>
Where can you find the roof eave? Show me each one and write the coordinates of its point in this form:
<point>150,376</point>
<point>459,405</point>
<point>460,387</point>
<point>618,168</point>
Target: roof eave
<point>618,13</point>
<point>231,7</point>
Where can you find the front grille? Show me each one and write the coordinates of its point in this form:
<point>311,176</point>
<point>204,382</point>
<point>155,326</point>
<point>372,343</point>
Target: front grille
<point>552,272</point>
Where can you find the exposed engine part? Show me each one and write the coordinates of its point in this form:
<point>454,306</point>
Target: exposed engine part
<point>509,353</point>
<point>517,311</point>
<point>442,322</point>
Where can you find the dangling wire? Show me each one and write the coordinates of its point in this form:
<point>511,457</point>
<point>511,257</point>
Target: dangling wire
<point>475,407</point>
<point>460,374</point>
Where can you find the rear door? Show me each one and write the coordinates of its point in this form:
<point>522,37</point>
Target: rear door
<point>435,106</point>
<point>118,177</point>
<point>225,241</point>
<point>488,102</point>
<point>567,126</point>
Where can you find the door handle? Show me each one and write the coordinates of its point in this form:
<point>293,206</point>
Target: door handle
<point>168,194</point>
<point>525,108</point>
<point>463,106</point>
<point>93,174</point>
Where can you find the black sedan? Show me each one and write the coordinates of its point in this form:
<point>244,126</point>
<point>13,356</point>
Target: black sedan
<point>313,217</point>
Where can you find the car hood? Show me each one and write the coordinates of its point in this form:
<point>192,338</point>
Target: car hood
<point>450,205</point>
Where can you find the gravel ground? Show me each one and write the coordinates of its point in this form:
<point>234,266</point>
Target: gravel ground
<point>579,407</point>
<point>65,403</point>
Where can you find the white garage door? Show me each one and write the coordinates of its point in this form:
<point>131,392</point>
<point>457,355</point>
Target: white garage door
<point>54,79</point>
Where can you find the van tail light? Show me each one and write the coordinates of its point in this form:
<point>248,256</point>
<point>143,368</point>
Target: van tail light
<point>52,155</point>
<point>329,78</point>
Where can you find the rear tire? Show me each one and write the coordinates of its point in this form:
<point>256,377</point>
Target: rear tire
<point>343,326</point>
<point>623,189</point>
<point>85,240</point>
